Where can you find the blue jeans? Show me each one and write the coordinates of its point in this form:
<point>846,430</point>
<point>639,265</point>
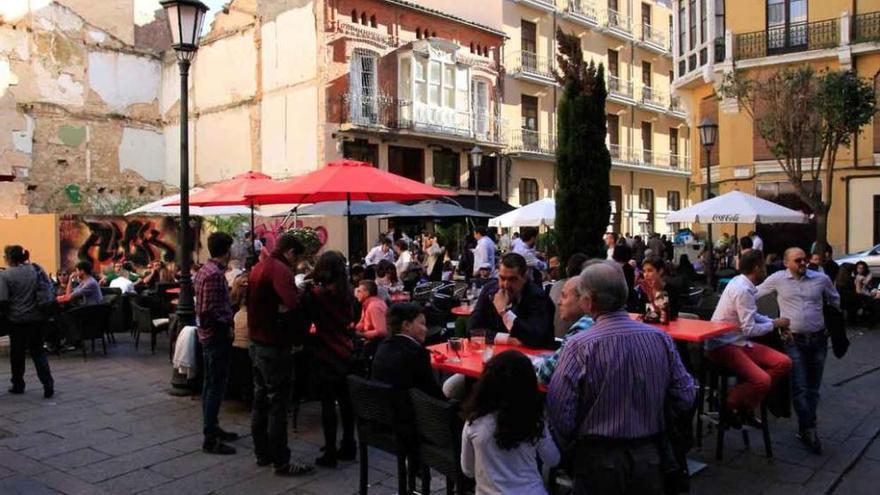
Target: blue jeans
<point>807,353</point>
<point>217,353</point>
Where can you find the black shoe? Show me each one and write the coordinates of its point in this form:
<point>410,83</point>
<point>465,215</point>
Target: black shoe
<point>48,392</point>
<point>294,469</point>
<point>347,451</point>
<point>16,390</point>
<point>217,447</point>
<point>328,460</point>
<point>226,436</point>
<point>810,439</point>
<point>730,419</point>
<point>748,418</point>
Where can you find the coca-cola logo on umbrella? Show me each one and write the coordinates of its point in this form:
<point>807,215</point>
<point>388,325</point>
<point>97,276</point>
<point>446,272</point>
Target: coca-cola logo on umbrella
<point>726,217</point>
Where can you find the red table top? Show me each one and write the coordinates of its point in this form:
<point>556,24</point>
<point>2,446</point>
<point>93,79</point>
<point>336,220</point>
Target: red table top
<point>62,299</point>
<point>400,297</point>
<point>471,363</point>
<point>693,330</point>
<point>462,310</point>
<point>173,290</point>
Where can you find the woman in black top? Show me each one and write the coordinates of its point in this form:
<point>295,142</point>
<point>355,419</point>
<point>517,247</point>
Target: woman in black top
<point>657,291</point>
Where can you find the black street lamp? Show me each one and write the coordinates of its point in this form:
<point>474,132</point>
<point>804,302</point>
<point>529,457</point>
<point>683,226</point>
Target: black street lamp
<point>708,134</point>
<point>476,160</point>
<point>185,18</point>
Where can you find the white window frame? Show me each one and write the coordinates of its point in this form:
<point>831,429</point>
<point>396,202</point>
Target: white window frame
<point>364,93</point>
<point>421,110</point>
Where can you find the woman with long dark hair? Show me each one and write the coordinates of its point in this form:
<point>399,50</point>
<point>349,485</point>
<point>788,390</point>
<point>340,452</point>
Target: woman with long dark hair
<point>658,291</point>
<point>505,433</point>
<point>331,308</point>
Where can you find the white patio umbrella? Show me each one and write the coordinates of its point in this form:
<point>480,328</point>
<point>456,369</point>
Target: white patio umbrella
<point>158,208</point>
<point>535,214</point>
<point>736,207</point>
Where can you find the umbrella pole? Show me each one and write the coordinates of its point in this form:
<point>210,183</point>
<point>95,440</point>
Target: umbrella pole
<point>348,227</point>
<point>253,239</point>
<point>710,264</point>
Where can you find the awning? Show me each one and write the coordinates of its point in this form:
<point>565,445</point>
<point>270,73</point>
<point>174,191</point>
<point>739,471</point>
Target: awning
<point>491,205</point>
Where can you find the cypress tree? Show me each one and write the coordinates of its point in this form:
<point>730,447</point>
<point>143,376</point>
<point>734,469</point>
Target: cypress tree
<point>583,163</point>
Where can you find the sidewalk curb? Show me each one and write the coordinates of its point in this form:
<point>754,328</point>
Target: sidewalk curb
<point>852,462</point>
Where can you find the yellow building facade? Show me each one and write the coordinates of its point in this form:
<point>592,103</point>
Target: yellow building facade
<point>715,37</point>
<point>647,131</point>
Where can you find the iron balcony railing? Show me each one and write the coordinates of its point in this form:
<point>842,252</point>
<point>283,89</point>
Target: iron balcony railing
<point>583,8</point>
<point>616,20</point>
<point>530,63</point>
<point>654,97</point>
<point>387,112</point>
<point>648,158</point>
<point>654,36</point>
<point>675,105</point>
<point>548,4</point>
<point>866,27</point>
<point>789,38</point>
<point>530,141</point>
<point>620,87</point>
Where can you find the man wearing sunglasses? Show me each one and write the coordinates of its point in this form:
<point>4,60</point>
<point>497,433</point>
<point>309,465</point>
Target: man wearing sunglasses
<point>801,294</point>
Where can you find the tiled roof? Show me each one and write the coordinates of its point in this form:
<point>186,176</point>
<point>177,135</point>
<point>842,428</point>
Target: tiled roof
<point>439,13</point>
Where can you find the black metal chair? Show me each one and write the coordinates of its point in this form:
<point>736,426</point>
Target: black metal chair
<point>89,323</point>
<point>378,426</point>
<point>145,323</point>
<point>439,429</point>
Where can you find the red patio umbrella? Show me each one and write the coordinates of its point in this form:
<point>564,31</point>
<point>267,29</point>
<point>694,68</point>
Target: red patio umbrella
<point>346,180</point>
<point>232,192</point>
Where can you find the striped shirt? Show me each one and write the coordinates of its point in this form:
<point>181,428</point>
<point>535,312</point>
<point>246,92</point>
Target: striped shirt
<point>613,381</point>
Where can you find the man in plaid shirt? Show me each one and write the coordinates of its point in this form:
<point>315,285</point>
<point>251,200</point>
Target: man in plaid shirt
<point>214,321</point>
<point>569,310</point>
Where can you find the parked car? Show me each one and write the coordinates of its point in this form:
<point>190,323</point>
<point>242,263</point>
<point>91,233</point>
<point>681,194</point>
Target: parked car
<point>870,256</point>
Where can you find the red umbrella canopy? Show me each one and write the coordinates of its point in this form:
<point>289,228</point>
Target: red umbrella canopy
<point>230,192</point>
<point>346,179</point>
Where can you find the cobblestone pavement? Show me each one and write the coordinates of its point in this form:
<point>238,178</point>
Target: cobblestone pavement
<point>112,428</point>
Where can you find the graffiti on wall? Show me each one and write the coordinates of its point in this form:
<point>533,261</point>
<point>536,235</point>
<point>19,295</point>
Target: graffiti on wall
<point>106,239</point>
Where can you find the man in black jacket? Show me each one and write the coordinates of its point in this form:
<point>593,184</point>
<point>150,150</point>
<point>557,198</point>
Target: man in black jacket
<point>402,360</point>
<point>514,309</point>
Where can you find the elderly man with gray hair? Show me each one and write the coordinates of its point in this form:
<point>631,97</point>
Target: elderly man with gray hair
<point>607,395</point>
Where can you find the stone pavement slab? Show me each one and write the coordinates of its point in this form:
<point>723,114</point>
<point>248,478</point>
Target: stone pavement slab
<point>113,429</point>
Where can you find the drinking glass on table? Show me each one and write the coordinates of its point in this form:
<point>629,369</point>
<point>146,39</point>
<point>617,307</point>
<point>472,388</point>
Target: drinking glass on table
<point>478,339</point>
<point>454,347</point>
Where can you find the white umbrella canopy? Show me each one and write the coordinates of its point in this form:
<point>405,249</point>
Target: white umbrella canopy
<point>736,207</point>
<point>158,208</point>
<point>535,214</point>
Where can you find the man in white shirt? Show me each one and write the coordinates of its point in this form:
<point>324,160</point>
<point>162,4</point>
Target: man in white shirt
<point>610,241</point>
<point>801,294</point>
<point>378,253</point>
<point>123,279</point>
<point>526,249</point>
<point>757,366</point>
<point>485,250</point>
<point>757,242</point>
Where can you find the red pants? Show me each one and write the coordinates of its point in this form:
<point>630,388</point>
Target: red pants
<point>757,368</point>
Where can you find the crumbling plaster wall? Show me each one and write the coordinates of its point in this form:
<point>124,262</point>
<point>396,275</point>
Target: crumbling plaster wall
<point>79,116</point>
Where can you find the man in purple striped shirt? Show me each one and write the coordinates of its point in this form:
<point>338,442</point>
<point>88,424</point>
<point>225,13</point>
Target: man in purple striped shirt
<point>606,399</point>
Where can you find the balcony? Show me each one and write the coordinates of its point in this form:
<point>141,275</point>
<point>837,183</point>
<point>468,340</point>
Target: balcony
<point>675,107</point>
<point>649,160</point>
<point>532,144</point>
<point>545,5</point>
<point>866,27</point>
<point>620,90</point>
<point>654,99</point>
<point>582,12</point>
<point>386,114</point>
<point>344,28</point>
<point>617,24</point>
<point>654,40</point>
<point>529,66</point>
<point>792,38</point>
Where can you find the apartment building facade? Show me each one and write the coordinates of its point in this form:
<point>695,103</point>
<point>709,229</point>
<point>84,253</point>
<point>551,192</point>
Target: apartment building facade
<point>647,131</point>
<point>715,37</point>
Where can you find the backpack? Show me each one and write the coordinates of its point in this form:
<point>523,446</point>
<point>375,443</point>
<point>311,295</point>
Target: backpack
<point>45,287</point>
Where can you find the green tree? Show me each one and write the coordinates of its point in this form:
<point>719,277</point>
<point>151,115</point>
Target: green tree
<point>583,163</point>
<point>805,117</point>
